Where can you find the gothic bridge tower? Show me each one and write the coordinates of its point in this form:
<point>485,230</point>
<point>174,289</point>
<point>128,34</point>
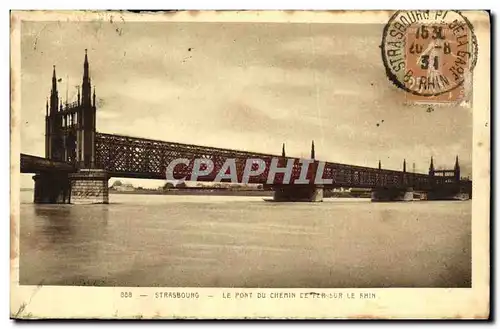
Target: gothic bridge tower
<point>70,137</point>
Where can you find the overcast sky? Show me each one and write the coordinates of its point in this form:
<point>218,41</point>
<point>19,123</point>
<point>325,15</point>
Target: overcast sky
<point>243,86</point>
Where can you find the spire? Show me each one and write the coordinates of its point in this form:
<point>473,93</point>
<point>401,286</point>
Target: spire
<point>282,149</point>
<point>54,98</point>
<point>86,65</point>
<point>93,98</point>
<point>86,74</point>
<point>379,164</point>
<point>404,165</point>
<point>78,94</point>
<point>457,169</point>
<point>312,150</point>
<point>86,82</point>
<point>54,80</point>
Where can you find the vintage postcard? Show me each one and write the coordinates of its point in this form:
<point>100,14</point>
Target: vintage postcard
<point>250,164</point>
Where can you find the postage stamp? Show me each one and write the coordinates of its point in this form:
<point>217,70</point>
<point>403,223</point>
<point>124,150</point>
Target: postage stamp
<point>431,55</point>
<point>250,165</point>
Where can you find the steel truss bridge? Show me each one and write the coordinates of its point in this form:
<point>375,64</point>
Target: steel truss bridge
<point>123,156</point>
<point>72,144</point>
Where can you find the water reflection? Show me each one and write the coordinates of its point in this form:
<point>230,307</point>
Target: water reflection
<point>64,223</point>
<point>54,225</point>
<point>61,241</point>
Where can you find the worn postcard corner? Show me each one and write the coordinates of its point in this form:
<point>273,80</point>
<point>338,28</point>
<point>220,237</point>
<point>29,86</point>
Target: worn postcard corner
<point>250,164</point>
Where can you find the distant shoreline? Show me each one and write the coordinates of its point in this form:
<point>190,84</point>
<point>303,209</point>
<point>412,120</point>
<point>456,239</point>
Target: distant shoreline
<point>229,192</point>
<point>224,192</point>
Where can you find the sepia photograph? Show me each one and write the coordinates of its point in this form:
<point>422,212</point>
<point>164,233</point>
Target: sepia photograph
<point>182,153</point>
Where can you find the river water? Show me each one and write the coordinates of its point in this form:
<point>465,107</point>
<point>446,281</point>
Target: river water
<point>237,241</point>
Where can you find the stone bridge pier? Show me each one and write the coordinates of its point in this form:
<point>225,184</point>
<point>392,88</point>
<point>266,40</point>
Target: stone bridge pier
<point>89,186</point>
<point>298,193</point>
<point>52,188</point>
<point>384,194</point>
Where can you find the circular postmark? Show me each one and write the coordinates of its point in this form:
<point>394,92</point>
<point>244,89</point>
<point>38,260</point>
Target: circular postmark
<point>429,52</point>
